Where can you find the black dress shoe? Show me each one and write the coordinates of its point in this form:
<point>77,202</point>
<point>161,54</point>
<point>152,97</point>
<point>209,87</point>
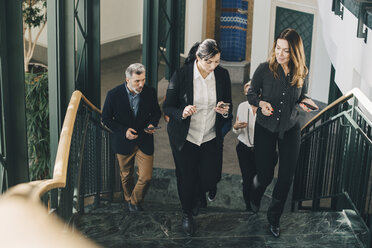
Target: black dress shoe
<point>255,207</point>
<point>131,207</point>
<point>273,216</point>
<point>254,203</point>
<point>138,207</point>
<point>212,194</point>
<point>275,231</point>
<point>188,224</point>
<point>134,208</point>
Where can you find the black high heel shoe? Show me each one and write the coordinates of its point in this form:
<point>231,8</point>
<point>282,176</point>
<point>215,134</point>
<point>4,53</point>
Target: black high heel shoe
<point>275,231</point>
<point>188,224</point>
<point>273,216</point>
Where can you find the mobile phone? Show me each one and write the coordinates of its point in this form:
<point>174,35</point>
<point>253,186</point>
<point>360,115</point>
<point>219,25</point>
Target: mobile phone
<point>222,105</point>
<point>312,107</point>
<point>151,128</point>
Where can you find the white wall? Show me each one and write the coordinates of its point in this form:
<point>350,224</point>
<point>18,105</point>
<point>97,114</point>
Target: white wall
<point>124,18</point>
<point>261,43</point>
<point>43,39</point>
<point>193,23</point>
<point>263,36</point>
<point>120,19</point>
<point>320,67</point>
<point>351,57</point>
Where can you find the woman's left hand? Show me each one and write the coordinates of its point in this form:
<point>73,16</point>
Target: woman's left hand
<point>222,108</point>
<point>310,102</point>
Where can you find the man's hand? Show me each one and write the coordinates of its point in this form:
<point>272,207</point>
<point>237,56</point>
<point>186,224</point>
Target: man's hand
<point>131,134</point>
<point>150,131</point>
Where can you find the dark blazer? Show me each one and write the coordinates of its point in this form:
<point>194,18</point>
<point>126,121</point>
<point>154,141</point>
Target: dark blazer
<point>180,93</point>
<point>118,116</point>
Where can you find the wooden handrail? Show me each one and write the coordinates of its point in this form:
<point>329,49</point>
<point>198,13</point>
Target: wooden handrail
<point>36,189</point>
<point>353,93</point>
<point>26,223</point>
<point>20,206</point>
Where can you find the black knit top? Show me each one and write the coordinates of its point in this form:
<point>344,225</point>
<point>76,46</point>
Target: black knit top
<point>283,97</point>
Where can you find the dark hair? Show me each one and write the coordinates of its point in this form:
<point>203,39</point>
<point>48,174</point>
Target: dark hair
<point>192,53</point>
<point>204,50</point>
<point>297,60</point>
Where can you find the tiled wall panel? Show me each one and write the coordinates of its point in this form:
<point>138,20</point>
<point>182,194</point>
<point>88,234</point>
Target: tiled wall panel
<point>233,29</point>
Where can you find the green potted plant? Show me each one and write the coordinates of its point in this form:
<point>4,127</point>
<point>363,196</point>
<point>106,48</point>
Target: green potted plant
<point>36,88</point>
<point>37,116</point>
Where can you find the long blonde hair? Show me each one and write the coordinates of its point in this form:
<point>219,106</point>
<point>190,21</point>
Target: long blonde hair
<point>297,59</point>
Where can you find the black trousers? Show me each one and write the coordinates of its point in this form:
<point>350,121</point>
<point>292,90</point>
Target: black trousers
<point>247,167</point>
<point>198,169</point>
<point>265,148</point>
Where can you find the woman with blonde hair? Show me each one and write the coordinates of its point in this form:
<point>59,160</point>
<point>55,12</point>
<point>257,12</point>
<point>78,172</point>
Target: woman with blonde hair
<point>278,87</point>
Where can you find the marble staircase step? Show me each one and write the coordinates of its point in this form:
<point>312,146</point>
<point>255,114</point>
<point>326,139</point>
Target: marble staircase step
<point>223,224</point>
<point>216,228</point>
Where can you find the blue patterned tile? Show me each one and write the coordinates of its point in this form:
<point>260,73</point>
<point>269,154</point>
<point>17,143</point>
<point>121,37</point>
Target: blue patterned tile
<point>233,30</point>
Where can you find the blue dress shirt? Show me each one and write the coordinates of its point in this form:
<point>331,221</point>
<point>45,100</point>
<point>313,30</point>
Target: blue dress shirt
<point>134,100</point>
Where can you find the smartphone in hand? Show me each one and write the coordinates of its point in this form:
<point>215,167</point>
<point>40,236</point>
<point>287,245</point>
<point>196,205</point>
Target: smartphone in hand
<point>151,128</point>
<point>222,105</point>
<point>310,106</point>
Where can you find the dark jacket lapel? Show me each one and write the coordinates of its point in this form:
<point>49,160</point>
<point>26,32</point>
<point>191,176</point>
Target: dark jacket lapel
<point>189,84</point>
<point>126,101</point>
<point>141,102</point>
<point>218,78</point>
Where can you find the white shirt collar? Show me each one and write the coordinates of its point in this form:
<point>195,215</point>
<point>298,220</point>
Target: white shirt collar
<point>198,75</point>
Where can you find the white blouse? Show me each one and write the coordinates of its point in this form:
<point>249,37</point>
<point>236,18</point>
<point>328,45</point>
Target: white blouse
<point>202,123</point>
<point>243,134</point>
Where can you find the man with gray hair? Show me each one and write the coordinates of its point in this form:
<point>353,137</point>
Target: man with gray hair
<point>132,112</point>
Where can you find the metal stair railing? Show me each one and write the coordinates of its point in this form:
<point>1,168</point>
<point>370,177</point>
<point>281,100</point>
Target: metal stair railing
<point>334,170</point>
<point>335,161</point>
<point>84,169</point>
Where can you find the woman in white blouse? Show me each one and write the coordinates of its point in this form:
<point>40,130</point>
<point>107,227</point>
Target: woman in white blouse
<point>197,103</point>
<point>244,128</point>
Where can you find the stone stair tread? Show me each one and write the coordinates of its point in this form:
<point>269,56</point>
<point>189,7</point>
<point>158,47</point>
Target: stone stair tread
<point>222,224</point>
<point>151,206</point>
<point>217,229</point>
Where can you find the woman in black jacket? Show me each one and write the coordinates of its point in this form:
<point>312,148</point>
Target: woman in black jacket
<point>197,104</point>
<point>278,86</point>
